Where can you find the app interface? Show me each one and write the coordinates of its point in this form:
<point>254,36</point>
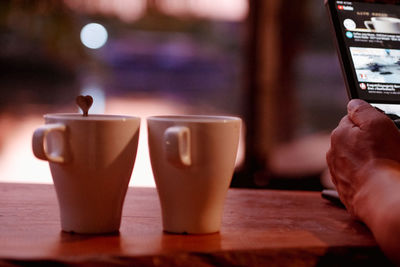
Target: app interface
<point>372,38</point>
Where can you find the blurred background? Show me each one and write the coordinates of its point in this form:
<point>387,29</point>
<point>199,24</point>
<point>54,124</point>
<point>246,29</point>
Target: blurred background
<point>273,63</point>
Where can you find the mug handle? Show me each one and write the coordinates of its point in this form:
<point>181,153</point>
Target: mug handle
<point>177,146</point>
<point>38,141</point>
<point>369,25</point>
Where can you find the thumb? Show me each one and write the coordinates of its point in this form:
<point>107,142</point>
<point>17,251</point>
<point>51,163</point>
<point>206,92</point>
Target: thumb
<point>360,112</point>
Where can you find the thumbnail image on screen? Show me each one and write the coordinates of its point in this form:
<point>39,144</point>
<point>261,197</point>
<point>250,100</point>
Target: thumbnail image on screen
<point>376,65</point>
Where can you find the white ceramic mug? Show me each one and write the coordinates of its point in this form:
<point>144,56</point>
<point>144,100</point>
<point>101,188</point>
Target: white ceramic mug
<point>384,24</point>
<point>91,161</point>
<point>193,160</point>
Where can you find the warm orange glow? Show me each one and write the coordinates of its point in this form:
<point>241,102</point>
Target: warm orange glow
<point>18,164</point>
<point>126,10</point>
<point>231,10</point>
<point>131,10</point>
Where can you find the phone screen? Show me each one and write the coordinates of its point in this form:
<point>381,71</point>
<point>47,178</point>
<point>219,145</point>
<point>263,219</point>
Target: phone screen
<point>368,36</point>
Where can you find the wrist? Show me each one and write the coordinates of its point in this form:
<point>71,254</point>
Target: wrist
<point>377,204</point>
<point>378,191</point>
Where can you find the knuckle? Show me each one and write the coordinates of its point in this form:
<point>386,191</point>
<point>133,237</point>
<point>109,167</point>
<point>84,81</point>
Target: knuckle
<point>336,135</point>
<point>329,156</point>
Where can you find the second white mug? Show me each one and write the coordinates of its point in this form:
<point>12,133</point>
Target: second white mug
<point>193,160</point>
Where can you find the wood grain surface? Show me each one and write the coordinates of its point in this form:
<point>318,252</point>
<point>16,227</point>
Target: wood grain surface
<point>260,227</point>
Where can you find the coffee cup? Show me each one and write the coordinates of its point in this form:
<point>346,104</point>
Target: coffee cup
<point>384,24</point>
<point>193,160</point>
<point>91,161</point>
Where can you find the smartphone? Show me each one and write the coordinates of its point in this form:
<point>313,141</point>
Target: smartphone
<point>333,196</point>
<point>367,35</point>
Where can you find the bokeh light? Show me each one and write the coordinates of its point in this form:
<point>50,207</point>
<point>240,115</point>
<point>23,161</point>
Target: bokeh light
<point>94,35</point>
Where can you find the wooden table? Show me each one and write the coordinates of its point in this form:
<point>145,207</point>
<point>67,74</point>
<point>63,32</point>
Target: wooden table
<point>260,228</point>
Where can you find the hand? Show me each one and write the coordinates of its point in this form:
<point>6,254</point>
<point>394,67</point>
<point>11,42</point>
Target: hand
<point>363,136</point>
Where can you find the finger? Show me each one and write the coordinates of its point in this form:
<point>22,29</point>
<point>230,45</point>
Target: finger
<point>329,161</point>
<point>343,127</point>
<point>329,156</point>
<point>342,132</point>
<point>362,113</point>
<point>345,122</point>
